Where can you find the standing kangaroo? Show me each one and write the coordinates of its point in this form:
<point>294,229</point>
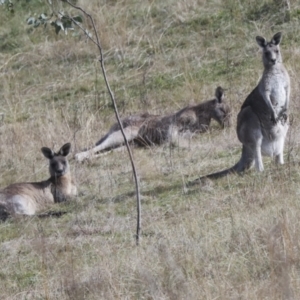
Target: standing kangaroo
<point>262,122</point>
<point>147,129</point>
<point>27,198</point>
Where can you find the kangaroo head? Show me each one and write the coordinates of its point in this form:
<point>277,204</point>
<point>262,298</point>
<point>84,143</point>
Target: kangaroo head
<point>221,112</point>
<point>58,163</point>
<point>271,51</point>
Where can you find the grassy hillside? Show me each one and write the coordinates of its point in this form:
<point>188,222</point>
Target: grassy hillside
<point>234,238</point>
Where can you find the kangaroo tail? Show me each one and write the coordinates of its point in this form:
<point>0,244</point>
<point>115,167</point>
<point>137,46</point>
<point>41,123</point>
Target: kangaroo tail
<point>242,165</point>
<point>223,173</point>
<point>216,175</point>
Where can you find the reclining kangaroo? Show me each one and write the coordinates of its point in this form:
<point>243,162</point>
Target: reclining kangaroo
<point>262,122</point>
<point>29,198</point>
<point>147,129</point>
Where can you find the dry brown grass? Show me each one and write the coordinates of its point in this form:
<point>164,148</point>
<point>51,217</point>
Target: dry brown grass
<point>235,238</point>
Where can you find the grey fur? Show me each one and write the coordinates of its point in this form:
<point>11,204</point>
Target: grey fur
<point>146,129</point>
<point>262,122</point>
<point>28,198</point>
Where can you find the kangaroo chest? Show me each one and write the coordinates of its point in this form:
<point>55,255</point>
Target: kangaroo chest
<point>275,86</point>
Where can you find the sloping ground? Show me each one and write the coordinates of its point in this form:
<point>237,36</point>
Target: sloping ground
<point>235,238</point>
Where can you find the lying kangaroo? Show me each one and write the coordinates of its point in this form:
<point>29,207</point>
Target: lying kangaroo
<point>262,122</point>
<point>147,129</point>
<point>29,198</point>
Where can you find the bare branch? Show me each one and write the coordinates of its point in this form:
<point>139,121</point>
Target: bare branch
<point>96,41</point>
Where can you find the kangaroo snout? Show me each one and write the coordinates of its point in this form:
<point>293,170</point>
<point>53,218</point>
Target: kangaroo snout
<point>59,172</point>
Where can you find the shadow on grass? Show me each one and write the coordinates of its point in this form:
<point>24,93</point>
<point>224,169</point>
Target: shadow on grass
<point>156,191</point>
<point>4,216</point>
<point>56,214</point>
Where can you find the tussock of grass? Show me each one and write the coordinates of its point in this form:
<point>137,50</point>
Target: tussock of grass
<point>234,238</point>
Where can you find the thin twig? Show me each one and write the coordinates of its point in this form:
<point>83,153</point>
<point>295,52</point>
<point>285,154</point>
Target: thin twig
<point>98,44</point>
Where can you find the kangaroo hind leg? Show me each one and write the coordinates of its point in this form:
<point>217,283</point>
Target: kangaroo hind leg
<point>258,159</point>
<point>279,156</point>
<point>112,140</point>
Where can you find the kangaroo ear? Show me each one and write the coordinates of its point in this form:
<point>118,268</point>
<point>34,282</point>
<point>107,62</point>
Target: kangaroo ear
<point>48,153</point>
<point>65,149</point>
<point>219,93</point>
<point>261,41</point>
<point>276,39</point>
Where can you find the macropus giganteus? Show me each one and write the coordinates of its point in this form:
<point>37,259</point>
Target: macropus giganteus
<point>28,198</point>
<point>262,122</point>
<point>146,129</point>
